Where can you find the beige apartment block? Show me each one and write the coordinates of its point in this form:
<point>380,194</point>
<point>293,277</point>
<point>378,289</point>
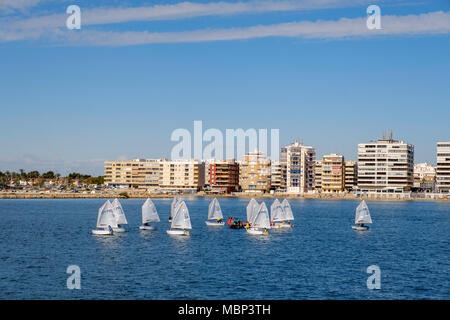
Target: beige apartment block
<point>318,176</point>
<point>182,175</point>
<point>333,173</point>
<point>300,164</point>
<point>277,181</point>
<point>443,167</point>
<point>254,172</point>
<point>351,175</point>
<point>386,165</point>
<point>136,173</point>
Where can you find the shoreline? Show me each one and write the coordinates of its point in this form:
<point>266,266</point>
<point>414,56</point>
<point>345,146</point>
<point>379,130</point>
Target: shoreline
<point>145,195</point>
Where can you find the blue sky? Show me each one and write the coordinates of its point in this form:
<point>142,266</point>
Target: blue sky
<point>71,99</point>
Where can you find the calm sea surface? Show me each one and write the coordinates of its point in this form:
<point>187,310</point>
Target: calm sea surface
<point>320,258</point>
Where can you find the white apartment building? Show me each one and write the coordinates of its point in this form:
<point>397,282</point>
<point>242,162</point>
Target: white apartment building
<point>386,165</point>
<point>300,163</point>
<point>443,167</point>
<point>182,175</point>
<point>136,173</point>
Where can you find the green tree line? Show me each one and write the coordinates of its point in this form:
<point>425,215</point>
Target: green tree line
<point>7,176</point>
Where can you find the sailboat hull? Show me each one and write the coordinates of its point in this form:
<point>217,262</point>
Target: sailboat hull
<point>282,226</point>
<point>359,228</point>
<point>215,223</point>
<point>144,227</point>
<point>119,229</point>
<point>177,232</point>
<point>102,232</point>
<point>256,232</point>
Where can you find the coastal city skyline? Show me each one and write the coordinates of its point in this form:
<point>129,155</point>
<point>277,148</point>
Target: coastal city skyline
<point>68,105</point>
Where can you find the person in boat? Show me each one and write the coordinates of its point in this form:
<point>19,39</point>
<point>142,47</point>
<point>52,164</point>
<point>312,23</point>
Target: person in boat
<point>219,220</point>
<point>110,229</point>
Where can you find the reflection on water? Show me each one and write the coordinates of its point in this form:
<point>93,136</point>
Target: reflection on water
<point>320,258</point>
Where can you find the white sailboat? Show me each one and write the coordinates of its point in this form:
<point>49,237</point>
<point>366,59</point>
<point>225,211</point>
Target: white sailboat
<point>261,222</point>
<point>120,216</point>
<point>173,206</point>
<point>252,210</point>
<point>181,222</point>
<point>215,217</point>
<point>277,215</point>
<point>281,218</point>
<point>149,214</point>
<point>362,217</point>
<point>105,220</point>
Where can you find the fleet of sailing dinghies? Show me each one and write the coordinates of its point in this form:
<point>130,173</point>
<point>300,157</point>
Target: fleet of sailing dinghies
<point>181,221</point>
<point>119,214</point>
<point>281,215</point>
<point>362,217</point>
<point>106,220</point>
<point>173,206</point>
<point>149,214</point>
<point>215,217</point>
<point>261,222</point>
<point>111,217</point>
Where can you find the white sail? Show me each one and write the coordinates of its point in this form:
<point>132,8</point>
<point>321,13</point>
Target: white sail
<point>107,217</point>
<point>149,213</point>
<point>362,214</point>
<point>173,206</point>
<point>214,210</point>
<point>100,210</point>
<point>118,212</point>
<point>262,218</point>
<point>277,212</point>
<point>288,215</point>
<point>181,219</point>
<point>252,210</point>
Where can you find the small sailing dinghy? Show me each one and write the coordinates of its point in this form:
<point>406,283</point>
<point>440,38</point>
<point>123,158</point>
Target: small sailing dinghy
<point>173,206</point>
<point>287,215</point>
<point>120,216</point>
<point>181,222</point>
<point>215,217</point>
<point>362,216</point>
<point>149,214</point>
<point>261,222</point>
<point>277,216</point>
<point>252,210</point>
<point>105,220</point>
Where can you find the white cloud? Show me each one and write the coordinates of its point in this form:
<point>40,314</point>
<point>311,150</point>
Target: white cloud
<point>12,5</point>
<point>100,16</point>
<point>427,23</point>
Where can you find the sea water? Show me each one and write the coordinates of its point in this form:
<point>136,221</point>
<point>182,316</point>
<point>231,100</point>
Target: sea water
<point>320,258</point>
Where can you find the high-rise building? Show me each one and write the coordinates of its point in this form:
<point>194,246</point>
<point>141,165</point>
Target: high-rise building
<point>276,180</point>
<point>443,167</point>
<point>223,175</point>
<point>386,165</point>
<point>351,175</point>
<point>300,162</point>
<point>182,175</point>
<point>318,176</point>
<point>333,172</point>
<point>254,172</point>
<point>136,173</point>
